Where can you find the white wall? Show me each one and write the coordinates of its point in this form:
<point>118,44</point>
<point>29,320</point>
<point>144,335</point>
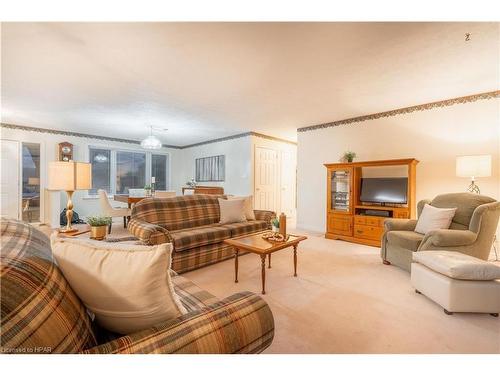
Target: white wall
<point>435,137</point>
<point>238,164</point>
<point>54,202</point>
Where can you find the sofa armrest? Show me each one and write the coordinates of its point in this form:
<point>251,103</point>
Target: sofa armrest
<point>150,234</point>
<point>267,216</point>
<point>399,224</point>
<point>447,238</point>
<point>241,323</point>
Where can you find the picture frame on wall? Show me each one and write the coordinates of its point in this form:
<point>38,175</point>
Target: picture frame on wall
<point>210,169</point>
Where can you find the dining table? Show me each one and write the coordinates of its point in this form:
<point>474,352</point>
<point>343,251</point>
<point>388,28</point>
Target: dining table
<point>125,198</point>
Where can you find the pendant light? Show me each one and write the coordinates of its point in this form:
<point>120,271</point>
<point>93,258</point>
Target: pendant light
<point>151,142</point>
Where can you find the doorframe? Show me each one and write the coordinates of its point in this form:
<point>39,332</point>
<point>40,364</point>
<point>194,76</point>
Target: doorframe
<point>20,178</point>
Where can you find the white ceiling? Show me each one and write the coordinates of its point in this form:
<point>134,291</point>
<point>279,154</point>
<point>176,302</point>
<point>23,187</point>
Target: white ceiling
<point>210,80</point>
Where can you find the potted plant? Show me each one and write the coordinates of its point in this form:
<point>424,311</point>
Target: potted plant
<point>147,190</point>
<point>98,226</point>
<point>349,156</point>
<point>275,224</point>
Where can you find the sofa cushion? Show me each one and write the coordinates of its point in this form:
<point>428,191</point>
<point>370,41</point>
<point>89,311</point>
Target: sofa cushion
<point>206,235</point>
<point>433,218</point>
<point>406,239</point>
<point>232,211</point>
<point>250,215</point>
<point>40,311</point>
<point>239,229</point>
<point>127,286</point>
<point>457,265</point>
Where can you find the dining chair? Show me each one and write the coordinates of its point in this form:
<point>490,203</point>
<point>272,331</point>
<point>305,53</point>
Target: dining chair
<point>108,210</point>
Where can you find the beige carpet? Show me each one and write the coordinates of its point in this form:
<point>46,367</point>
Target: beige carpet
<point>345,301</point>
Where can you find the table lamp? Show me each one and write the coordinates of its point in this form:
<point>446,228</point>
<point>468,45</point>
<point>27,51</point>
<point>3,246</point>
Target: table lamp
<point>473,166</point>
<point>69,176</point>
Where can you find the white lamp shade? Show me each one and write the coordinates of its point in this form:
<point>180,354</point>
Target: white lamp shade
<point>474,166</point>
<point>69,176</point>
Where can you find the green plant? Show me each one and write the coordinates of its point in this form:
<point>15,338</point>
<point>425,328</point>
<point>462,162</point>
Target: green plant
<point>275,222</point>
<point>98,221</point>
<point>349,156</point>
<point>147,187</point>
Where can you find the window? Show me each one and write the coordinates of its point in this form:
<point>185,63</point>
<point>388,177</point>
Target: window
<point>116,171</point>
<point>31,182</point>
<point>101,170</point>
<point>210,169</point>
<point>130,171</point>
<point>159,170</point>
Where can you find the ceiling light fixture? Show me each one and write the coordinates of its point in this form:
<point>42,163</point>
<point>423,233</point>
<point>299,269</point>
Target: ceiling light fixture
<point>100,158</point>
<point>151,142</point>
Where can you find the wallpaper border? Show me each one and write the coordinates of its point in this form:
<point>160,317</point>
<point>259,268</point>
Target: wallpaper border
<point>405,110</point>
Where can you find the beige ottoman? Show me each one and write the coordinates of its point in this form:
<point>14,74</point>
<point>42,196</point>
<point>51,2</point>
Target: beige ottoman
<point>457,282</point>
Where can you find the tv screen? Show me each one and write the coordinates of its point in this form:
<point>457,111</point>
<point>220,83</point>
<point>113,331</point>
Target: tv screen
<point>384,190</point>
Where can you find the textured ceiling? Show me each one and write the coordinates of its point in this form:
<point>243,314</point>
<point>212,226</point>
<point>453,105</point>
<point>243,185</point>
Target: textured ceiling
<point>210,80</point>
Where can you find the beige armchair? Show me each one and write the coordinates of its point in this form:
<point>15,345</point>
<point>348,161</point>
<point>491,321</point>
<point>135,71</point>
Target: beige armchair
<point>471,232</point>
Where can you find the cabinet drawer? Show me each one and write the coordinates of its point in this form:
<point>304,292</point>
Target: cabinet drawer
<point>368,232</point>
<point>358,219</point>
<point>340,224</point>
<point>373,221</point>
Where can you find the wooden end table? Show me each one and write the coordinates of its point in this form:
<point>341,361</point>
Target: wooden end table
<point>254,243</point>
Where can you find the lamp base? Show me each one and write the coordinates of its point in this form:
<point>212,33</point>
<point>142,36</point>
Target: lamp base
<point>66,230</point>
<point>473,188</point>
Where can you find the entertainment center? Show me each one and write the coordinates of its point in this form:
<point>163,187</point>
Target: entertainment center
<point>358,206</point>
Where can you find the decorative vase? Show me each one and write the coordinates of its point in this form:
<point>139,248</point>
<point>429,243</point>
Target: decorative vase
<point>275,229</point>
<point>98,233</point>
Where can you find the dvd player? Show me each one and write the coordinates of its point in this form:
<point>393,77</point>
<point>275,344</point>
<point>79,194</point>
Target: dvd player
<point>377,213</point>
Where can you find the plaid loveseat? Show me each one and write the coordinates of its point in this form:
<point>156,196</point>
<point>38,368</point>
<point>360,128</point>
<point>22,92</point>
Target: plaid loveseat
<point>191,224</point>
<point>40,313</point>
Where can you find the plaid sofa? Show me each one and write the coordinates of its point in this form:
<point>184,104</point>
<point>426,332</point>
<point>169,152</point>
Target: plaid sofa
<point>40,313</point>
<point>191,224</point>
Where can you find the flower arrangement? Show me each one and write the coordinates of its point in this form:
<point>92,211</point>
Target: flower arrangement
<point>191,183</point>
<point>275,223</point>
<point>98,221</point>
<point>349,156</point>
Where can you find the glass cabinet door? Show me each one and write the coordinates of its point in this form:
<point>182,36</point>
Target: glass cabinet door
<point>340,190</point>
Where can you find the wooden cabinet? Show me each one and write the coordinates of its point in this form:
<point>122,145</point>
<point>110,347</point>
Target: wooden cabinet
<point>352,220</point>
<point>340,224</point>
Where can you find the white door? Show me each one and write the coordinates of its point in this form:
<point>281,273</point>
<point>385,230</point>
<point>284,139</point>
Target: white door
<point>288,173</point>
<point>9,186</point>
<point>266,168</point>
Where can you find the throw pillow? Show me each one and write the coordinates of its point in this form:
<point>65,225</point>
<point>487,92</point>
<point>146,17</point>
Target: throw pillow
<point>433,218</point>
<point>232,211</point>
<point>248,207</point>
<point>127,286</point>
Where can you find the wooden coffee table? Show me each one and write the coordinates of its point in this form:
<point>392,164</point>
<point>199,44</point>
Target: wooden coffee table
<point>254,243</point>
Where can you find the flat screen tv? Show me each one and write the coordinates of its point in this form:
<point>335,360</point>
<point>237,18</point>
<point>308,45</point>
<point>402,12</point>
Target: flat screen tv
<point>384,190</point>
